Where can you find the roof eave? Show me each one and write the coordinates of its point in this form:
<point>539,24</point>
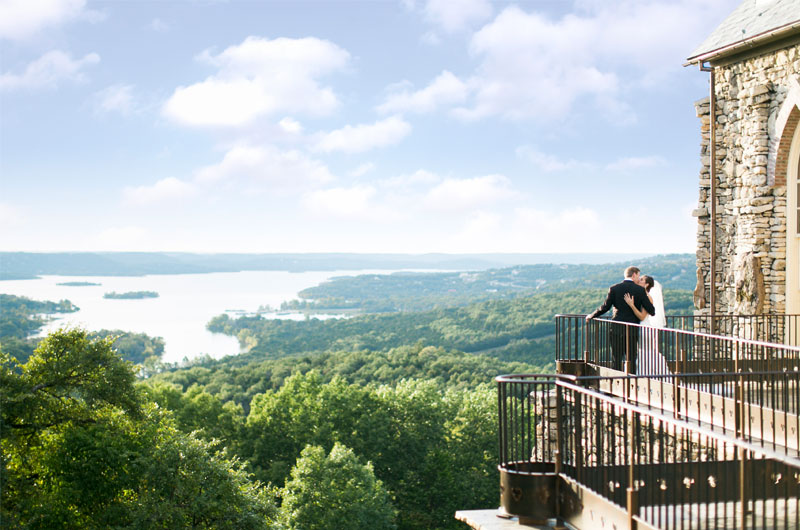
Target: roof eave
<point>752,42</point>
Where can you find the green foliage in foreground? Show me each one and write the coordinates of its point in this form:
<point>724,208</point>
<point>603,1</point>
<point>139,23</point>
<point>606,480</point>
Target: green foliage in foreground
<point>335,491</point>
<point>434,448</point>
<point>82,449</point>
<point>431,442</point>
<point>84,446</point>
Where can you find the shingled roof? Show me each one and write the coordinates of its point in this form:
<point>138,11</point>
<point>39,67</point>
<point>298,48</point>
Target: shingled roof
<point>753,23</point>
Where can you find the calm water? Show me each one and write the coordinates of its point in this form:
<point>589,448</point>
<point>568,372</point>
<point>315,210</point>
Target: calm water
<point>185,304</point>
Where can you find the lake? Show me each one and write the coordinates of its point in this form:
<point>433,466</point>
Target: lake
<point>185,304</point>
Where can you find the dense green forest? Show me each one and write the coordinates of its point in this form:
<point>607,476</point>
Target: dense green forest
<point>240,381</point>
<point>406,291</point>
<point>519,329</point>
<point>85,446</point>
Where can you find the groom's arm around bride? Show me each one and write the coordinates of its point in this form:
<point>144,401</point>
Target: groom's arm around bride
<point>623,313</point>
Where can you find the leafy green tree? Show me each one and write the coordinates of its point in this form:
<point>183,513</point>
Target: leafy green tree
<point>434,449</point>
<point>82,448</point>
<point>197,410</point>
<point>334,491</point>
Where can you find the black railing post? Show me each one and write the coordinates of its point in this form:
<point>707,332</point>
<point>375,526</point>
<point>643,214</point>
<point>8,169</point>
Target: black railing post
<point>578,429</point>
<point>501,390</point>
<point>559,447</point>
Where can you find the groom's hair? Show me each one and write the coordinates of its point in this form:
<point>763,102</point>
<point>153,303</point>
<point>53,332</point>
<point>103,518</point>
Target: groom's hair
<point>630,271</point>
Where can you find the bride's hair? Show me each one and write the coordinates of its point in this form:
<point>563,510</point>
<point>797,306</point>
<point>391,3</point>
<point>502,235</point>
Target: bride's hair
<point>649,282</point>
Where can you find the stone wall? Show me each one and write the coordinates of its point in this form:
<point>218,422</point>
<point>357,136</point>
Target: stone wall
<point>751,194</point>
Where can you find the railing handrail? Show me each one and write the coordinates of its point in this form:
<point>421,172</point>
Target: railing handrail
<point>713,315</point>
<point>687,333</point>
<point>514,378</point>
<point>683,424</point>
<point>745,315</point>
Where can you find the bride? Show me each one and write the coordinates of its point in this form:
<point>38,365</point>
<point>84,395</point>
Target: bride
<point>651,362</point>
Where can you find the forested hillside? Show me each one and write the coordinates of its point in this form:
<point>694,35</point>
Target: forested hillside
<point>407,291</point>
<point>519,329</point>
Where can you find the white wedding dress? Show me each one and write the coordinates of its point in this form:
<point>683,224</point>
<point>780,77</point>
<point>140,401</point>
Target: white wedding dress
<point>651,361</point>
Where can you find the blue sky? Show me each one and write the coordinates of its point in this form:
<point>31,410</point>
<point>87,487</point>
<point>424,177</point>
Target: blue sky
<point>351,126</point>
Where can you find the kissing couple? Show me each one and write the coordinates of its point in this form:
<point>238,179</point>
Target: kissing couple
<point>637,299</point>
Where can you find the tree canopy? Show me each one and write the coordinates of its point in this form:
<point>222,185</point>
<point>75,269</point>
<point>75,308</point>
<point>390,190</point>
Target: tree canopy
<point>82,448</point>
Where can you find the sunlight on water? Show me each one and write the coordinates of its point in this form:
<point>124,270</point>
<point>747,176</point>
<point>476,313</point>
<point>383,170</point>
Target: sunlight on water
<point>185,304</point>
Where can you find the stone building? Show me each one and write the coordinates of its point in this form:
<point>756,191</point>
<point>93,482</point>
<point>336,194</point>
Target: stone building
<point>748,236</point>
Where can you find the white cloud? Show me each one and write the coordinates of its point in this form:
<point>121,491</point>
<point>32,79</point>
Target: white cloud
<point>158,25</point>
<point>560,230</point>
<point>634,163</point>
<point>557,221</point>
<point>452,16</point>
<point>20,19</point>
<point>49,70</point>
<point>359,138</point>
<point>290,125</point>
<point>530,230</point>
<point>353,202</point>
<point>481,226</point>
<point>260,77</point>
<point>10,215</point>
<point>466,194</point>
<point>167,189</point>
<point>420,177</point>
<point>547,161</point>
<point>362,170</point>
<point>123,238</point>
<point>287,168</point>
<point>446,89</point>
<point>533,66</point>
<point>642,33</point>
<point>116,98</point>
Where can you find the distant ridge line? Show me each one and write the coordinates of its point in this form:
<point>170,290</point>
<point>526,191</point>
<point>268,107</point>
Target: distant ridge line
<point>25,265</point>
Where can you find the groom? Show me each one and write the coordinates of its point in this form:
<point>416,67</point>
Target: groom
<point>621,334</point>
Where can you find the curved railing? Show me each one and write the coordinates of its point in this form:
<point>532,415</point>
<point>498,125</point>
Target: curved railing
<point>664,463</point>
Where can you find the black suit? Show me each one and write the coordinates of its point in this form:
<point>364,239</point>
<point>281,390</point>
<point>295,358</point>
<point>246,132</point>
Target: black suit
<point>622,335</point>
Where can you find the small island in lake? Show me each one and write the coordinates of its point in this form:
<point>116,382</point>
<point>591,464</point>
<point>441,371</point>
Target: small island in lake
<point>78,284</point>
<point>132,295</point>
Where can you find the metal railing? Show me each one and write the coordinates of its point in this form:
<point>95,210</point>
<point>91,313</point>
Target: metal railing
<point>646,350</point>
<point>671,451</point>
<point>776,328</point>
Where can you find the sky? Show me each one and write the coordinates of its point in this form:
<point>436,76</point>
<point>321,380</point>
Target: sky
<point>409,126</point>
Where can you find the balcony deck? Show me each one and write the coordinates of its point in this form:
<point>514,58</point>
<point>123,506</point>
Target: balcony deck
<point>708,425</point>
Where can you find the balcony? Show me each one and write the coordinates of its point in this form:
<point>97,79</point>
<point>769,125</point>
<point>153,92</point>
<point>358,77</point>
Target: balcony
<point>654,428</point>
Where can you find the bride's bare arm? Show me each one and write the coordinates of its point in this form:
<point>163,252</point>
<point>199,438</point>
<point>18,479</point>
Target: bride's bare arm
<point>641,314</point>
